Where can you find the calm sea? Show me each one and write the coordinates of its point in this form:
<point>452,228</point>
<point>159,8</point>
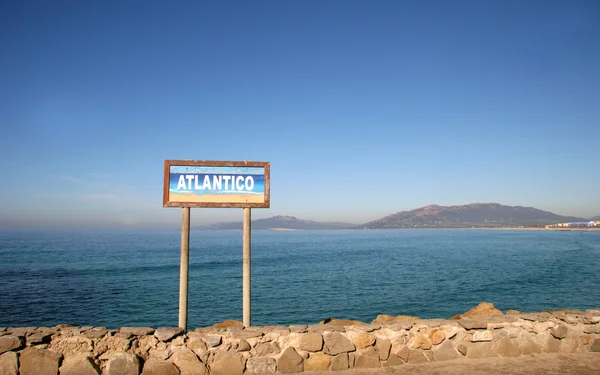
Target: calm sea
<point>132,279</point>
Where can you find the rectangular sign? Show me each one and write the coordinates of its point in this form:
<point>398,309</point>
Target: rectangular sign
<point>201,183</point>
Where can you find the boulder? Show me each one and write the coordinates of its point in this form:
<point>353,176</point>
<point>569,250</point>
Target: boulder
<point>470,324</point>
<point>420,341</point>
<point>462,349</point>
<point>138,331</point>
<point>9,364</point>
<point>243,346</point>
<point>72,346</point>
<point>445,352</point>
<point>213,341</point>
<point>506,348</point>
<point>437,336</point>
<point>340,322</point>
<point>298,328</point>
<point>419,356</point>
<point>484,309</point>
<point>123,364</point>
<point>187,362</point>
<point>246,334</point>
<point>366,358</point>
<point>364,340</point>
<point>339,362</point>
<point>265,348</point>
<point>390,319</point>
<point>228,323</point>
<point>227,363</point>
<point>393,361</point>
<point>35,361</point>
<point>479,350</point>
<point>95,333</point>
<point>482,336</point>
<point>383,347</point>
<point>11,342</point>
<point>167,333</point>
<point>39,338</point>
<point>595,345</point>
<point>403,353</point>
<point>317,362</point>
<point>512,312</point>
<point>79,365</point>
<point>261,365</point>
<point>560,331</point>
<point>337,343</point>
<point>529,347</point>
<point>311,342</point>
<point>290,361</point>
<point>155,366</point>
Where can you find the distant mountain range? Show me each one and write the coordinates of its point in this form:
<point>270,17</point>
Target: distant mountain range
<point>280,222</point>
<point>480,215</point>
<point>595,218</point>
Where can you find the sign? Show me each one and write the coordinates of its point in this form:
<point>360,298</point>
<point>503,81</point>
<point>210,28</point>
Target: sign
<point>195,183</point>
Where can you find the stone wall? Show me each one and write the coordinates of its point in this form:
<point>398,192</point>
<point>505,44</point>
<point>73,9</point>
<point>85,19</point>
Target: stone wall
<point>330,346</point>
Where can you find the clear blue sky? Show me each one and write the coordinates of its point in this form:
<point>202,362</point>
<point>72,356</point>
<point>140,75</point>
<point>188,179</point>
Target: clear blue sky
<point>363,108</point>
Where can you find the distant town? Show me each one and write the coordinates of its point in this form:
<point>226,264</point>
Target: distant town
<point>577,224</point>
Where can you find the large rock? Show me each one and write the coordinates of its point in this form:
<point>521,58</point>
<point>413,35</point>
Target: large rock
<point>290,361</point>
<point>339,362</point>
<point>72,346</point>
<point>167,333</point>
<point>34,361</point>
<point>437,336</point>
<point>95,333</point>
<point>341,322</point>
<point>11,342</point>
<point>265,348</point>
<point>595,345</point>
<point>482,336</point>
<point>530,347</point>
<point>403,353</point>
<point>479,350</point>
<point>419,356</point>
<point>138,331</point>
<point>311,342</point>
<point>469,324</point>
<point>78,365</point>
<point>445,352</point>
<point>383,347</point>
<point>39,338</point>
<point>337,343</point>
<point>155,366</point>
<point>187,362</point>
<point>484,309</point>
<point>420,341</point>
<point>227,364</point>
<point>123,364</point>
<point>366,358</point>
<point>560,331</point>
<point>364,340</point>
<point>317,362</point>
<point>213,341</point>
<point>389,319</point>
<point>9,364</point>
<point>228,323</point>
<point>393,361</point>
<point>506,348</point>
<point>243,346</point>
<point>261,365</point>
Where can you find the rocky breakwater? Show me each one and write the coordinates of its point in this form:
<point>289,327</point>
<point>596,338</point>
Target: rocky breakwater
<point>333,345</point>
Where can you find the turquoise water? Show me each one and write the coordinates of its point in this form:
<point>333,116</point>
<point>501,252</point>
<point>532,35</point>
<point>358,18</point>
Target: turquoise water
<point>132,279</point>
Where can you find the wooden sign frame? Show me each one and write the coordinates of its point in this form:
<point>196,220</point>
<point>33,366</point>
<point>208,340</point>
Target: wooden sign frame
<point>211,163</point>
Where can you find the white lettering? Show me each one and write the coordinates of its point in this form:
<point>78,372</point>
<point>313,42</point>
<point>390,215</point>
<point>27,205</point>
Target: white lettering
<point>217,183</point>
<point>189,178</point>
<point>239,183</point>
<point>206,184</point>
<point>196,186</point>
<point>249,183</point>
<point>226,179</point>
<point>181,183</point>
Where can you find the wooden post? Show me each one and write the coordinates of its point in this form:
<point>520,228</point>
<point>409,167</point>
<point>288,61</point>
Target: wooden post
<point>184,267</point>
<point>246,267</point>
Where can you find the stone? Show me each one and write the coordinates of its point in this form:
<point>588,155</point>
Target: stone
<point>341,322</point>
<point>196,343</point>
<point>437,336</point>
<point>559,331</point>
<point>512,312</point>
<point>72,346</point>
<point>337,343</point>
<point>389,319</point>
<point>155,366</point>
<point>109,345</point>
<point>243,346</point>
<point>366,358</point>
<point>445,352</point>
<point>95,333</point>
<point>290,361</point>
<point>552,345</point>
<point>322,328</point>
<point>368,327</point>
<point>9,364</point>
<point>479,350</point>
<point>364,340</point>
<point>311,342</point>
<point>484,309</point>
<point>79,365</point>
<point>403,353</point>
<point>187,362</point>
<point>167,333</point>
<point>339,362</point>
<point>123,335</point>
<point>420,341</point>
<point>393,361</point>
<point>11,342</point>
<point>383,347</point>
<point>138,331</point>
<point>246,334</point>
<point>123,364</point>
<point>595,345</point>
<point>213,341</point>
<point>529,347</point>
<point>228,323</point>
<point>227,363</point>
<point>482,336</point>
<point>39,338</point>
<point>506,348</point>
<point>591,330</point>
<point>35,361</point>
<point>418,356</point>
<point>317,362</point>
<point>261,365</point>
<point>298,328</point>
<point>265,348</point>
<point>462,349</point>
<point>449,331</point>
<point>469,324</point>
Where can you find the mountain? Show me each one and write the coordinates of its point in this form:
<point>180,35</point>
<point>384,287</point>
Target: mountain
<point>595,218</point>
<point>280,222</point>
<point>481,215</point>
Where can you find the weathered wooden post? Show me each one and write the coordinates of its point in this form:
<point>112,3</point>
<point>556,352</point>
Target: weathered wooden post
<point>184,267</point>
<point>246,239</point>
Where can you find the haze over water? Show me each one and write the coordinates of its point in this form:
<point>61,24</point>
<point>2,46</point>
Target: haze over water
<point>132,279</point>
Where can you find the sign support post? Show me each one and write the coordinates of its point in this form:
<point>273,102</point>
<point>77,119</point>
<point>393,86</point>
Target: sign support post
<point>246,266</point>
<point>184,268</point>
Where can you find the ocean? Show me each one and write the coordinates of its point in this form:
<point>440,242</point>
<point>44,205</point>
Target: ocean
<point>119,279</point>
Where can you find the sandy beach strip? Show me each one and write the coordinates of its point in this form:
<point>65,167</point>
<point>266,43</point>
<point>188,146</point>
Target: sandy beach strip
<point>217,198</point>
